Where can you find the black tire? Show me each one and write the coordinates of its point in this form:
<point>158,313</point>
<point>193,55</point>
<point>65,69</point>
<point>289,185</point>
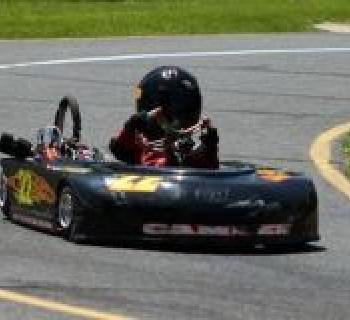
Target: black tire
<point>20,148</point>
<point>23,148</point>
<point>71,103</point>
<point>4,199</point>
<point>7,142</point>
<point>67,215</point>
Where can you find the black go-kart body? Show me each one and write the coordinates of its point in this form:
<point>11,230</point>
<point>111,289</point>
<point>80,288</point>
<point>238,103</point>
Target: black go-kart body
<point>239,204</point>
<point>235,204</point>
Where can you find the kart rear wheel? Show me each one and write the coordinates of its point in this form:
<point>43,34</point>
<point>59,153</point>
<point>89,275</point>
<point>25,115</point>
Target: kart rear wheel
<point>66,222</point>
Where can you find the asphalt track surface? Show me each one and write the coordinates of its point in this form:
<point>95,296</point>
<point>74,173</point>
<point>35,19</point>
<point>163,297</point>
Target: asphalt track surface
<point>269,108</point>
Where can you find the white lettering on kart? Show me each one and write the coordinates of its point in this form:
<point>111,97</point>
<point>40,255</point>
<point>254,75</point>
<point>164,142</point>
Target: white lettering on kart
<point>223,231</point>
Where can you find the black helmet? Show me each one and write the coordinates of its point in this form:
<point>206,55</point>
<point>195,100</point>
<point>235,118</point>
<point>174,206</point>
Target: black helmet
<point>174,89</point>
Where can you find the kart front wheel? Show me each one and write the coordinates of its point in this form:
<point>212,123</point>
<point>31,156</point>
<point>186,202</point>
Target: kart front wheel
<point>67,219</point>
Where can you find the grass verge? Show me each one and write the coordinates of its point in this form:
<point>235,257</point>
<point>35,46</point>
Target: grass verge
<point>74,18</point>
<point>346,152</point>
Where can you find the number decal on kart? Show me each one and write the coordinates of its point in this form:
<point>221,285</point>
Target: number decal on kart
<point>25,190</point>
<point>273,175</point>
<point>134,183</point>
<point>29,188</point>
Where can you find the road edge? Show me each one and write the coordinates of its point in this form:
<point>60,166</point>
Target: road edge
<point>320,154</point>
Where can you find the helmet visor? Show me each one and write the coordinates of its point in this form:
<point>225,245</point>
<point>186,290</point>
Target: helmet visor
<point>49,136</point>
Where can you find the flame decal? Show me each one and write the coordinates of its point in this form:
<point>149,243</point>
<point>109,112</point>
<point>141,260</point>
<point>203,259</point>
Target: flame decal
<point>30,188</point>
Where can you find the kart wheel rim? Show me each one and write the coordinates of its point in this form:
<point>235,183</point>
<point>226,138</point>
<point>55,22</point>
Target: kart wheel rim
<point>65,210</point>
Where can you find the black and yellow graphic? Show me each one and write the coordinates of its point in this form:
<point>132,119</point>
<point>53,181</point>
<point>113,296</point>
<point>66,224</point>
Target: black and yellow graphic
<point>273,175</point>
<point>30,188</point>
<point>134,183</point>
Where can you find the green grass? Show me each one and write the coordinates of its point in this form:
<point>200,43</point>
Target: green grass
<point>346,152</point>
<point>56,18</point>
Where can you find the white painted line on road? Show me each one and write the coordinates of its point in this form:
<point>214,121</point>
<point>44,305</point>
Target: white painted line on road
<point>320,153</point>
<point>197,54</point>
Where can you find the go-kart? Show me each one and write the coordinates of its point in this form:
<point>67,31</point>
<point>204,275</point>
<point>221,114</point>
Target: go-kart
<point>83,198</point>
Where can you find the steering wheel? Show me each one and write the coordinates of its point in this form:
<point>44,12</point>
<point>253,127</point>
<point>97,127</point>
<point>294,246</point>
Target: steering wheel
<point>71,103</point>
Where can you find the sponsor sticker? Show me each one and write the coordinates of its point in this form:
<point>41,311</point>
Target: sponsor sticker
<point>220,231</point>
<point>273,175</point>
<point>30,188</point>
<point>67,169</point>
<point>274,229</point>
<point>133,183</point>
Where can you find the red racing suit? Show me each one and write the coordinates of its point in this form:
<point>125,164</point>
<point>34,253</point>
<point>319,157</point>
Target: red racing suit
<point>142,141</point>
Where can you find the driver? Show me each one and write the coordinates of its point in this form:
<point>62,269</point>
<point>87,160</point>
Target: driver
<point>52,146</point>
<point>49,142</point>
<point>168,104</point>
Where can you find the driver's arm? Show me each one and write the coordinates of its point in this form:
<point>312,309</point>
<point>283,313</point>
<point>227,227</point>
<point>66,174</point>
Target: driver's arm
<point>206,154</point>
<point>123,146</point>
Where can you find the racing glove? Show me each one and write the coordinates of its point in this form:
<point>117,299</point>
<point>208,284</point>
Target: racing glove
<point>210,138</point>
<point>205,155</point>
<point>121,151</point>
<point>138,121</point>
<point>123,146</point>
